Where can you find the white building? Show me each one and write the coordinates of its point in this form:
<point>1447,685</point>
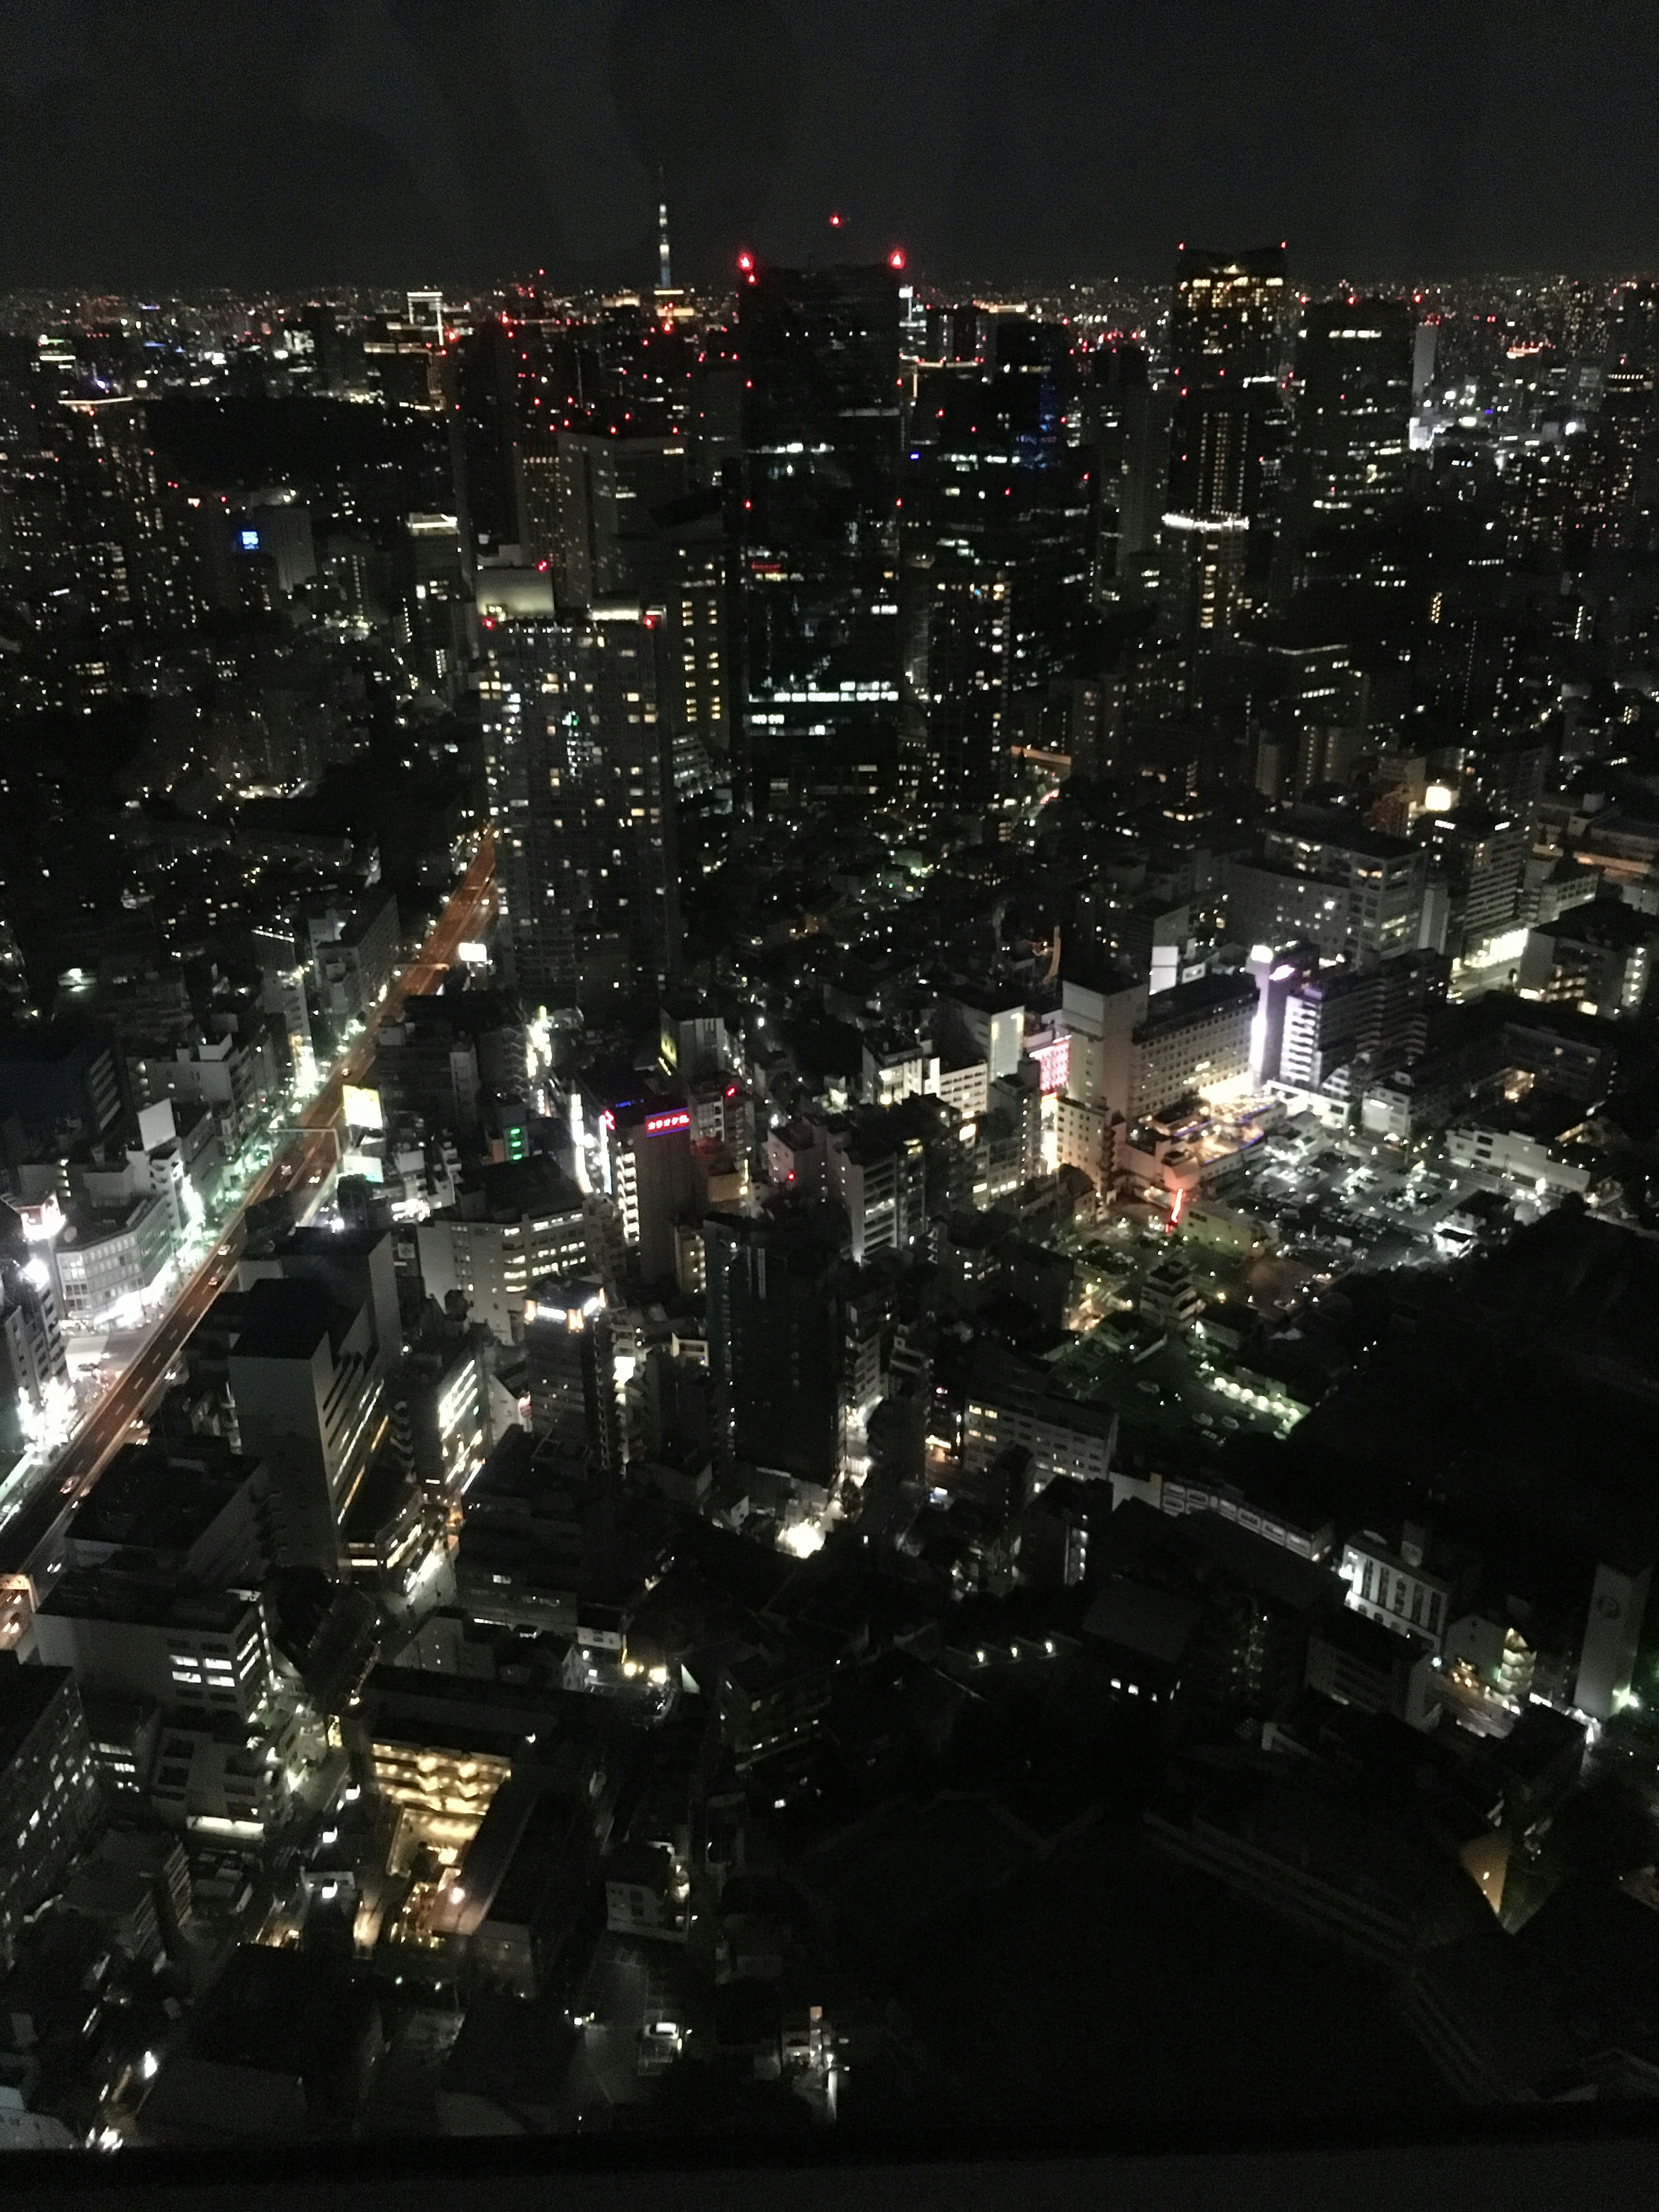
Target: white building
<point>109,1259</point>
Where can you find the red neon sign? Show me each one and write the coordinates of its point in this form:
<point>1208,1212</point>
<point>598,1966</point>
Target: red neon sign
<point>656,1123</point>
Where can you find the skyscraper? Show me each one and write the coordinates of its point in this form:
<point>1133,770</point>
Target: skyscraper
<point>125,571</point>
<point>631,526</point>
<point>997,553</point>
<point>1224,340</point>
<point>1353,407</point>
<point>1627,429</point>
<point>775,1341</point>
<point>489,452</point>
<point>820,549</point>
<point>575,754</point>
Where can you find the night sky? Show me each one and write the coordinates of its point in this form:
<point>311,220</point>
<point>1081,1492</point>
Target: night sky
<point>155,144</point>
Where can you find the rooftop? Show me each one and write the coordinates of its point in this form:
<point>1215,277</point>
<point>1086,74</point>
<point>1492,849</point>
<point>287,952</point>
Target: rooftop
<point>26,1693</point>
<point>288,1320</point>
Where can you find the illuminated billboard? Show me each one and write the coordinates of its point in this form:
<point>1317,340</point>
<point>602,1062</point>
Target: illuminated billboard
<point>362,1108</point>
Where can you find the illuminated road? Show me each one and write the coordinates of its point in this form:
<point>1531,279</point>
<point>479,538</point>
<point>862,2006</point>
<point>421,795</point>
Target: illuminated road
<point>301,1165</point>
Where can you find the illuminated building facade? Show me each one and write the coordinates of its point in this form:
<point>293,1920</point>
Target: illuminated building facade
<point>570,1352</point>
<point>819,513</point>
<point>577,754</point>
<point>1226,337</point>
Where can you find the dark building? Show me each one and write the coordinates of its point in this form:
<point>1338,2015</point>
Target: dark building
<point>60,1081</point>
<point>1627,427</point>
<point>776,1343</point>
<point>126,575</point>
<point>652,1177</point>
<point>579,756</point>
<point>998,515</point>
<point>453,1054</point>
<point>1352,405</point>
<point>570,1355</point>
<point>1226,337</point>
<point>819,512</point>
<point>50,1801</point>
<point>490,475</point>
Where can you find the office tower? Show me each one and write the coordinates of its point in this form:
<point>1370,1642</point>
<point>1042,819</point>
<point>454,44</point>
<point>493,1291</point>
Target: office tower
<point>997,554</point>
<point>283,993</point>
<point>308,1385</point>
<point>1329,881</point>
<point>490,471</point>
<point>1352,410</point>
<point>1143,485</point>
<point>355,1268</point>
<point>632,526</point>
<point>607,489</point>
<point>1314,1021</point>
<point>1114,381</point>
<point>50,1802</point>
<point>715,406</point>
<point>129,573</point>
<point>570,1354</point>
<point>512,1222</point>
<point>1482,856</point>
<point>354,955</point>
<point>1627,426</point>
<point>276,523</point>
<point>434,615</point>
<point>579,760</point>
<point>819,516</point>
<point>775,1344</point>
<point>650,1175</point>
<point>1224,344</point>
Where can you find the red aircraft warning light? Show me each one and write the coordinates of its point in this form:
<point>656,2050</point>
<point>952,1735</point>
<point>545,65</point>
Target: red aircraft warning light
<point>745,262</point>
<point>896,258</point>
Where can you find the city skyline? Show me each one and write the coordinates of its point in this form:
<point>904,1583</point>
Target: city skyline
<point>359,140</point>
<point>829,1097</point>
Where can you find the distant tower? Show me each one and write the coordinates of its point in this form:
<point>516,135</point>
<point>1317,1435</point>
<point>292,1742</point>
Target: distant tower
<point>664,266</point>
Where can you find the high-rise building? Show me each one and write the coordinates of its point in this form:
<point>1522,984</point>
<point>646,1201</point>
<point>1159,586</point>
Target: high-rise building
<point>578,755</point>
<point>998,553</point>
<point>1627,426</point>
<point>775,1344</point>
<point>633,526</point>
<point>308,1383</point>
<point>819,513</point>
<point>570,1354</point>
<point>1329,881</point>
<point>1353,407</point>
<point>647,1151</point>
<point>130,574</point>
<point>1314,1021</point>
<point>512,1222</point>
<point>491,473</point>
<point>50,1801</point>
<point>1226,337</point>
<point>608,489</point>
<point>33,1364</point>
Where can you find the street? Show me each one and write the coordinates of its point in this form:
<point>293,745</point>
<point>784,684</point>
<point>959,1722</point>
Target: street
<point>305,1160</point>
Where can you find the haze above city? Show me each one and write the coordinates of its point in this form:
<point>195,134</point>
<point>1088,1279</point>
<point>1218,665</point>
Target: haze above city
<point>458,142</point>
